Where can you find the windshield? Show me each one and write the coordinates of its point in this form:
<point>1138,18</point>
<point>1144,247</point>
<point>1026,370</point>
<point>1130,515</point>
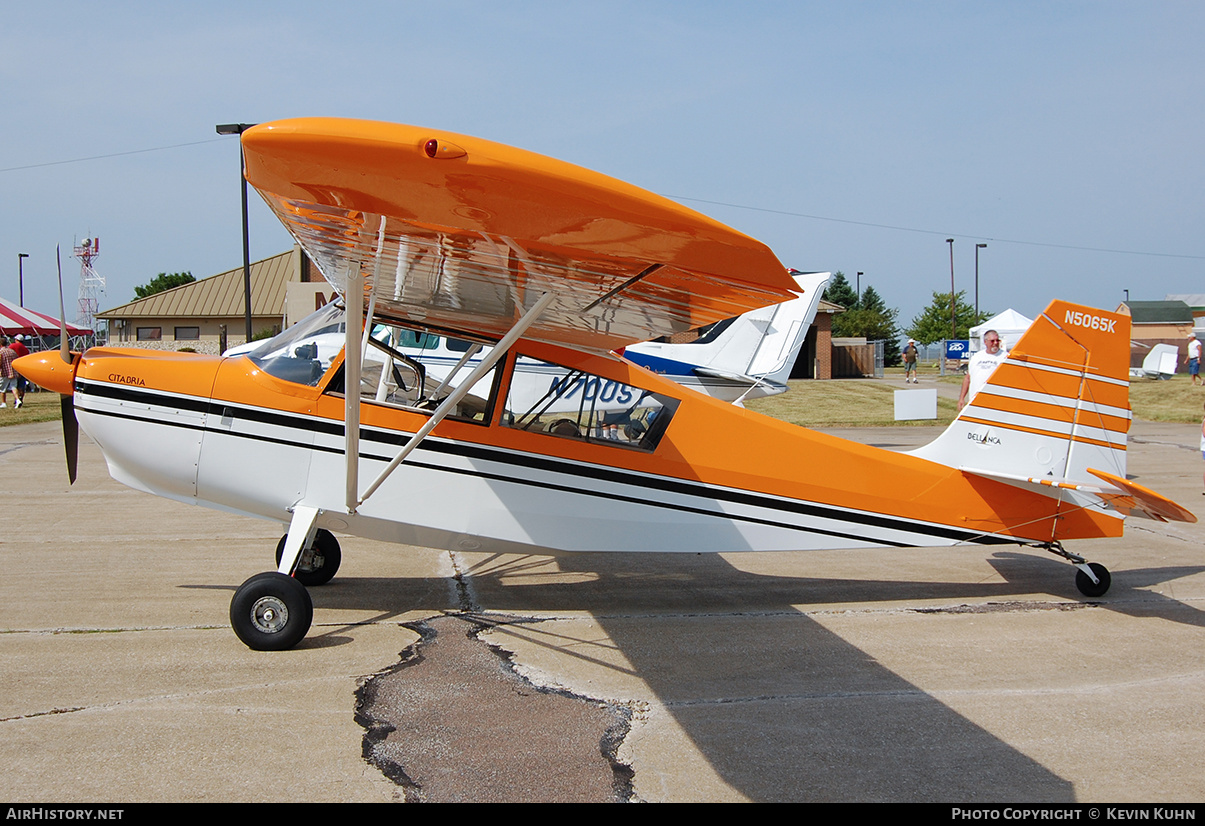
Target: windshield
<point>303,352</point>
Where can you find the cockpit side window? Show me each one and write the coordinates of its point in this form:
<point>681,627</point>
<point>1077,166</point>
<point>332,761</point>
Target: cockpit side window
<point>561,401</point>
<point>397,371</point>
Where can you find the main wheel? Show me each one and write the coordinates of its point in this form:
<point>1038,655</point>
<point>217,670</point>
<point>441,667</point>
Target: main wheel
<point>319,566</point>
<point>271,612</point>
<point>1093,589</point>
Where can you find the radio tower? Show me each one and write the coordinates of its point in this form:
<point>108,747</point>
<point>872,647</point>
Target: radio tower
<point>91,284</point>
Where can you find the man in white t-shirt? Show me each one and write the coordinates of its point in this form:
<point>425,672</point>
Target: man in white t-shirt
<point>1193,358</point>
<point>982,365</point>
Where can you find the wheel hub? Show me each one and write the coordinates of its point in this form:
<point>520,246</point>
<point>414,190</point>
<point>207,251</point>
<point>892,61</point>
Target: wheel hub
<point>310,561</point>
<point>269,615</point>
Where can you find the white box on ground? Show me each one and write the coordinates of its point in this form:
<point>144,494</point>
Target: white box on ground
<point>915,404</point>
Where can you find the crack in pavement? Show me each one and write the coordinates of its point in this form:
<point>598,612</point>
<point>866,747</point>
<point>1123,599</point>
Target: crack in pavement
<point>19,445</point>
<point>1005,607</point>
<point>453,721</point>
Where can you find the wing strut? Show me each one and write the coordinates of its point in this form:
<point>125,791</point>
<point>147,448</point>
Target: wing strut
<point>468,354</point>
<point>356,332</point>
<point>445,407</point>
<point>353,328</point>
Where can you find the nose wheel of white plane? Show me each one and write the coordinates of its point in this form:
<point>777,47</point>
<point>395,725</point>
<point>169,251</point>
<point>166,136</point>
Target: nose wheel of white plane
<point>271,612</point>
<point>319,562</point>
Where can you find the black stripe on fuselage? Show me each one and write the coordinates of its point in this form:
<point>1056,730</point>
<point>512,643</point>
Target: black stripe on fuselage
<point>542,463</point>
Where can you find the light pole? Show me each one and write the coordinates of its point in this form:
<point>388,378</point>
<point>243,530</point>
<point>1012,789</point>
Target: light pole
<point>977,248</point>
<point>858,280</point>
<point>953,323</point>
<point>21,256</point>
<point>239,129</point>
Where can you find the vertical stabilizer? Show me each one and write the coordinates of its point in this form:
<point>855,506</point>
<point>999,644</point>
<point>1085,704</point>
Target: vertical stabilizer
<point>747,356</point>
<point>1058,405</point>
<point>786,330</point>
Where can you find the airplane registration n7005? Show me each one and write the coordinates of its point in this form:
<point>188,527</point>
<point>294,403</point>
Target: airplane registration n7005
<point>555,267</point>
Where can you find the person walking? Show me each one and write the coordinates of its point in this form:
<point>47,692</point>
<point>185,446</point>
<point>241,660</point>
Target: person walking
<point>910,359</point>
<point>1193,358</point>
<point>19,348</point>
<point>8,376</point>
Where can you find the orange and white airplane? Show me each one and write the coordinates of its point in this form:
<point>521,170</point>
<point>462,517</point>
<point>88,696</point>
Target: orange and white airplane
<point>447,234</point>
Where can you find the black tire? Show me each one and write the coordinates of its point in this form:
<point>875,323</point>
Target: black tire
<point>1093,589</point>
<point>325,561</point>
<point>271,612</point>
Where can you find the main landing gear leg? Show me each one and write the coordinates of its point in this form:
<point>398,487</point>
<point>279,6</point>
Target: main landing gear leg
<point>273,611</point>
<point>1092,579</point>
<point>299,537</point>
<point>314,561</point>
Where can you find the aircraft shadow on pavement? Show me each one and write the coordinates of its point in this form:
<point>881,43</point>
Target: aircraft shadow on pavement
<point>790,711</point>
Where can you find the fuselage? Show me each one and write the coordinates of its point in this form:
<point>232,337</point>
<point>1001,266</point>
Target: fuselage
<point>682,472</point>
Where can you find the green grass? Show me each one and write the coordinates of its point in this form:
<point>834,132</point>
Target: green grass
<point>1175,400</point>
<point>846,403</point>
<point>40,406</point>
<point>869,403</point>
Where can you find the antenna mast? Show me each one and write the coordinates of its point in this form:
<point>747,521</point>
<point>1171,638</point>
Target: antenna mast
<point>91,283</point>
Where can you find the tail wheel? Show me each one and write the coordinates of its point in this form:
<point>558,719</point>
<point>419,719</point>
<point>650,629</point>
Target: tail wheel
<point>271,612</point>
<point>1093,589</point>
<point>319,563</point>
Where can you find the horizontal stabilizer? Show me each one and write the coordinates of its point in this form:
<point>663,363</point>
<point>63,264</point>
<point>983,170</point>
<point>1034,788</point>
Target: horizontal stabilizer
<point>1147,502</point>
<point>1124,496</point>
<point>737,378</point>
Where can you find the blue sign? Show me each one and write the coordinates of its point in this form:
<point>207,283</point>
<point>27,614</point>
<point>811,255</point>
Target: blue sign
<point>958,349</point>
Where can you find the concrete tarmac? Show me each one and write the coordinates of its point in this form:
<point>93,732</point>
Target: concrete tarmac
<point>958,674</point>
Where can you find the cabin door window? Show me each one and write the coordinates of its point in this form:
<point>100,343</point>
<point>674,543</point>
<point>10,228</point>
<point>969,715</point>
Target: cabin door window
<point>561,401</point>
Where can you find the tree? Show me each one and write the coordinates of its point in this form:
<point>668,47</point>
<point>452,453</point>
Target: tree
<point>866,316</point>
<point>840,291</point>
<point>871,300</point>
<point>933,324</point>
<point>163,282</point>
<point>878,323</point>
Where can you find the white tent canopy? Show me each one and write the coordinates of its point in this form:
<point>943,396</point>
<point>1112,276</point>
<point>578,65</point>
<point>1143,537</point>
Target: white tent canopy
<point>1010,324</point>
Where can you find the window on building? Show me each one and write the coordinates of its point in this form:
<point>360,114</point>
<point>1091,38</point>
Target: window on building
<point>150,333</point>
<point>188,334</point>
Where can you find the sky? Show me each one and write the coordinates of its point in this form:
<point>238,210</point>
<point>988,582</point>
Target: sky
<point>855,136</point>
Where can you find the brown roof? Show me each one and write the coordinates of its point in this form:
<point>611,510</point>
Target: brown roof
<point>219,296</point>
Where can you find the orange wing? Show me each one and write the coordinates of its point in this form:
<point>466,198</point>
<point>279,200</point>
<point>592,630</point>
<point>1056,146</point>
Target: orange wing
<point>462,234</point>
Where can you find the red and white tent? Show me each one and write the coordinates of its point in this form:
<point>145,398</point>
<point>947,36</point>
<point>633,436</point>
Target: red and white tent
<point>17,319</point>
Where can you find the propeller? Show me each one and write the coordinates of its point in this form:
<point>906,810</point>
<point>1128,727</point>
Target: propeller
<point>67,400</point>
<point>56,372</point>
<point>70,434</point>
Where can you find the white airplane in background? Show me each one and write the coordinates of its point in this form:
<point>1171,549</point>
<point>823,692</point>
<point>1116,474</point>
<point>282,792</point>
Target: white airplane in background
<point>746,357</point>
<point>749,356</point>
